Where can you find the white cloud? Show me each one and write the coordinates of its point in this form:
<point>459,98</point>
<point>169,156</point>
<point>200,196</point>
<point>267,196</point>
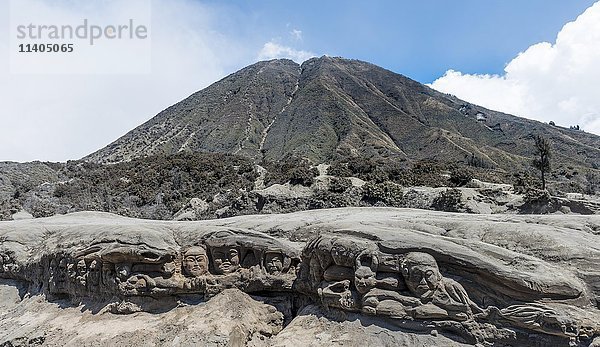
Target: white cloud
<point>296,34</point>
<point>273,50</point>
<point>66,116</point>
<point>558,82</point>
<point>57,117</point>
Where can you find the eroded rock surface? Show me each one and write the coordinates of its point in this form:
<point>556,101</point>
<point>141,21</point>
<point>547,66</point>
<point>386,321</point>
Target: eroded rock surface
<point>380,276</point>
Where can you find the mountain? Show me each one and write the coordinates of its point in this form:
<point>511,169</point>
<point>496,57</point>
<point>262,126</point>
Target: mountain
<point>196,159</point>
<point>330,108</point>
<point>230,116</point>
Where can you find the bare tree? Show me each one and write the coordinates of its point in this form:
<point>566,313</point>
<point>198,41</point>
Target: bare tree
<point>542,162</point>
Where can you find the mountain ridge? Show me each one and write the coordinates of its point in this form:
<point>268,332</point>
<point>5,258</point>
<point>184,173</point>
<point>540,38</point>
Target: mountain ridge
<point>331,108</point>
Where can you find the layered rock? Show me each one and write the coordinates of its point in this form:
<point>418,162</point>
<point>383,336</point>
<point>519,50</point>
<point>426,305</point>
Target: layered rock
<point>419,277</point>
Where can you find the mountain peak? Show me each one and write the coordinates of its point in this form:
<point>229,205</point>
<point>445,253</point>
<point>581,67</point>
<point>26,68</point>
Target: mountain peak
<point>332,107</point>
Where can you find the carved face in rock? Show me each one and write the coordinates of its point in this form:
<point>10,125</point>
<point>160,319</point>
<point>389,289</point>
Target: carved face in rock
<point>195,262</point>
<point>421,273</point>
<point>72,269</point>
<point>364,279</point>
<point>53,276</point>
<point>226,259</point>
<point>81,272</point>
<point>169,268</point>
<point>108,274</point>
<point>123,270</point>
<point>94,274</point>
<point>274,263</point>
<point>62,270</point>
<point>81,268</point>
<point>52,267</point>
<point>339,253</point>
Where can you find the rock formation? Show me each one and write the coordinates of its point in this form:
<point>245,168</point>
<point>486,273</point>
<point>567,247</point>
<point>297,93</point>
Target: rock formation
<point>422,277</point>
<point>407,286</point>
<point>110,268</point>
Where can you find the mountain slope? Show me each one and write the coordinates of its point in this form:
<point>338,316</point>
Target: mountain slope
<point>230,116</point>
<point>329,108</point>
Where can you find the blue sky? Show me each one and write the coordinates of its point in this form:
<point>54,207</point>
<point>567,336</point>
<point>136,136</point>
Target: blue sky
<point>421,39</point>
<point>531,58</point>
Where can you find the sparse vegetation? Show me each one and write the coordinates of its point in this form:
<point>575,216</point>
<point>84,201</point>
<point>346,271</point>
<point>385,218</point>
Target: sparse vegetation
<point>476,161</point>
<point>593,183</point>
<point>461,175</point>
<point>388,193</point>
<point>154,187</point>
<point>291,169</point>
<point>422,173</point>
<point>339,184</point>
<point>523,181</point>
<point>449,201</point>
<point>544,153</point>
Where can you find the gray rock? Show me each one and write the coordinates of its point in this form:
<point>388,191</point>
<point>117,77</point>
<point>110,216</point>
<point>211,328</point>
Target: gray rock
<point>380,276</point>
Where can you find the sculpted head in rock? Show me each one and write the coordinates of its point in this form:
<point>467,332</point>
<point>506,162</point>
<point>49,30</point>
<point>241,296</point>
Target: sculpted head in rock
<point>421,273</point>
<point>52,270</point>
<point>226,259</point>
<point>94,272</point>
<point>52,267</point>
<point>71,269</point>
<point>81,272</point>
<point>5,263</point>
<point>62,270</point>
<point>123,270</point>
<point>81,267</point>
<point>169,267</point>
<point>195,261</point>
<point>339,252</point>
<point>108,274</point>
<point>364,279</point>
<point>274,262</point>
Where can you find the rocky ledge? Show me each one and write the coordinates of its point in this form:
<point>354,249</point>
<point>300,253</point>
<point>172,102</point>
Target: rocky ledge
<point>380,276</point>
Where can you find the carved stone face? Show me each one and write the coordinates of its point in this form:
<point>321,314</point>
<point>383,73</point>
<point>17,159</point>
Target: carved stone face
<point>195,262</point>
<point>421,273</point>
<point>81,268</point>
<point>339,253</point>
<point>108,274</point>
<point>72,269</point>
<point>274,263</point>
<point>94,274</point>
<point>123,270</point>
<point>81,272</point>
<point>52,268</point>
<point>62,270</point>
<point>168,268</point>
<point>225,259</point>
<point>364,279</point>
